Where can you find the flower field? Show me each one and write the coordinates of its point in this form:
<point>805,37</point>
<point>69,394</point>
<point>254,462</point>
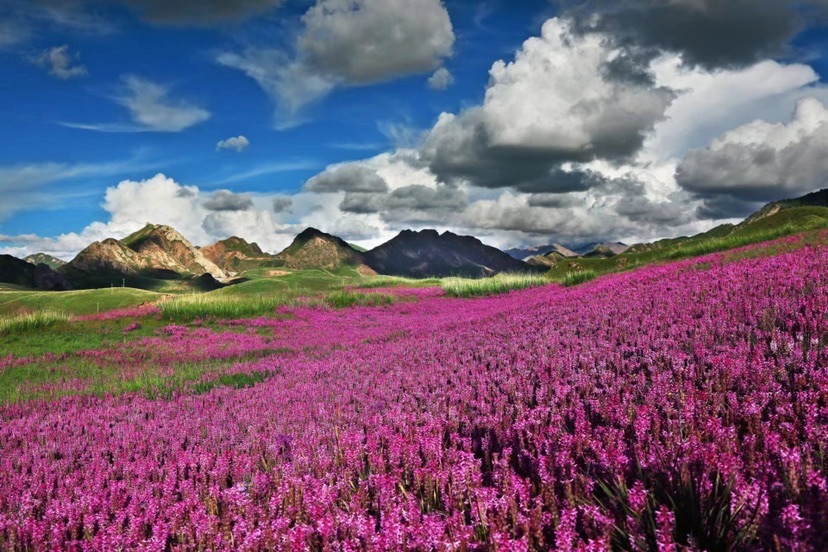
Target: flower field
<point>681,406</point>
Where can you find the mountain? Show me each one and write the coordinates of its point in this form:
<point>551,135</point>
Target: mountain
<point>430,254</point>
<point>25,274</point>
<point>236,255</point>
<point>606,250</point>
<point>600,249</point>
<point>313,248</point>
<point>165,249</point>
<point>42,258</point>
<point>109,257</point>
<point>815,199</point>
<point>540,250</point>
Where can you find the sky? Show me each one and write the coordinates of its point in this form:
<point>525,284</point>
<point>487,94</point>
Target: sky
<point>519,122</point>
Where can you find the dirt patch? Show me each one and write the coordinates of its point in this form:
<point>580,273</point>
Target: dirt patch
<point>273,273</point>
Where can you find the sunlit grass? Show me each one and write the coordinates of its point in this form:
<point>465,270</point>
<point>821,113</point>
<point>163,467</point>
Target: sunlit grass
<point>191,307</point>
<point>579,277</point>
<point>32,321</point>
<point>501,283</point>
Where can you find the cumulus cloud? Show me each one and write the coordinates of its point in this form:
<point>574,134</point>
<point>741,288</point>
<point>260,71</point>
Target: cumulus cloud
<point>238,143</point>
<point>201,12</point>
<point>761,161</point>
<point>349,177</point>
<point>225,200</point>
<point>60,63</point>
<point>367,41</point>
<point>406,203</point>
<point>551,105</point>
<point>712,34</point>
<point>348,43</point>
<point>161,200</point>
<point>441,79</point>
<point>151,108</point>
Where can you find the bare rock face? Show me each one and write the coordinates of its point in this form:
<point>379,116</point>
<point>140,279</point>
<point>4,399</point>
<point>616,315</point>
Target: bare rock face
<point>235,254</point>
<point>163,248</point>
<point>315,249</point>
<point>42,258</point>
<point>107,257</point>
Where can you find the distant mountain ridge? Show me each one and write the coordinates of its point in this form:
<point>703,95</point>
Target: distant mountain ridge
<point>541,250</point>
<point>158,252</point>
<point>428,253</point>
<point>42,258</point>
<point>154,252</point>
<point>18,272</point>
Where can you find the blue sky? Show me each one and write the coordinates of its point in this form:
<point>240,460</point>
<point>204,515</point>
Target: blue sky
<point>519,122</point>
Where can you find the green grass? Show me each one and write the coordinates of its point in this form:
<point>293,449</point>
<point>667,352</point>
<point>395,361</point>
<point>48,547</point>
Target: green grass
<point>726,237</point>
<point>579,277</point>
<point>74,302</point>
<point>501,283</point>
<point>344,298</point>
<point>28,322</point>
<point>213,305</point>
<point>373,282</point>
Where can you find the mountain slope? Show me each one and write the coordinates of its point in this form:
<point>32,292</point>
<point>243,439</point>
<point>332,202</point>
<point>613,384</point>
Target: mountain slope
<point>236,255</point>
<point>18,272</point>
<point>430,254</point>
<point>107,257</point>
<point>42,258</point>
<point>164,248</point>
<point>313,248</point>
<point>540,250</point>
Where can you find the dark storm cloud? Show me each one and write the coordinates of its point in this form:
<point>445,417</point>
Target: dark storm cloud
<point>225,200</point>
<point>708,33</point>
<point>408,198</point>
<point>347,178</point>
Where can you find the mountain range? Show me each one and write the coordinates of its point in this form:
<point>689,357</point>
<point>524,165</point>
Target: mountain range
<point>156,255</point>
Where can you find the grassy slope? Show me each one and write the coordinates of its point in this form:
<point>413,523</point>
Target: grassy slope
<point>722,238</point>
<point>74,302</point>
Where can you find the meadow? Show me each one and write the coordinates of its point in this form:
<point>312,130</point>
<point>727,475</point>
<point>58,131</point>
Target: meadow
<point>683,405</point>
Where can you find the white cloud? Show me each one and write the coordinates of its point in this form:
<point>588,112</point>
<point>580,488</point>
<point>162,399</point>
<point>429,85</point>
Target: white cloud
<point>161,200</point>
<point>710,103</point>
<point>761,161</point>
<point>441,79</point>
<point>348,43</point>
<point>60,63</point>
<point>367,41</point>
<point>151,108</point>
<point>238,143</point>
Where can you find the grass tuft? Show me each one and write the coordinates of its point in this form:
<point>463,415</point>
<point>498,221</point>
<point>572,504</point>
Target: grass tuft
<point>501,283</point>
<point>192,307</point>
<point>579,277</point>
<point>32,321</point>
